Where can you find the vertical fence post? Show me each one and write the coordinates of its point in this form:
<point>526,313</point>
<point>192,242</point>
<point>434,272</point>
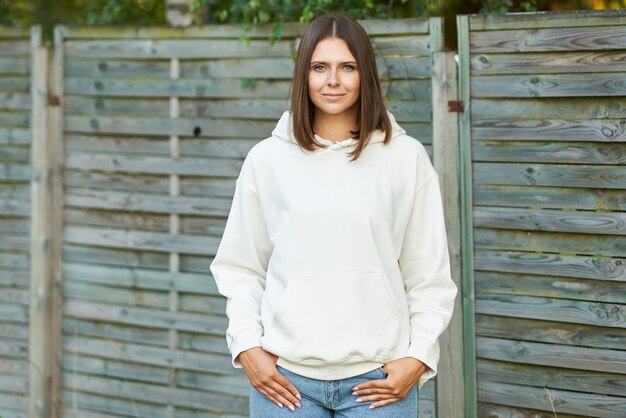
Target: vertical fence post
<point>55,133</point>
<point>39,357</point>
<point>450,388</point>
<point>467,220</point>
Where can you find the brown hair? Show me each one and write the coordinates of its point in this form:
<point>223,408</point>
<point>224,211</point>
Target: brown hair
<point>372,113</point>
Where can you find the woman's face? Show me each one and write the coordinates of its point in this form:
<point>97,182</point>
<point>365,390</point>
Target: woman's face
<point>333,77</point>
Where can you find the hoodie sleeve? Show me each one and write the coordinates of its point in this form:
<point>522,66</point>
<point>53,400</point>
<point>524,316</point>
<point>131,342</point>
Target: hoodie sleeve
<point>425,266</point>
<point>239,268</point>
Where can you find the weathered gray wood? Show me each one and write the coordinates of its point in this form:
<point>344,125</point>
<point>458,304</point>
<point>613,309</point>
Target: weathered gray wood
<point>562,310</point>
<point>557,85</point>
<point>501,411</point>
<point>155,165</point>
<point>79,404</point>
<point>549,39</point>
<point>140,279</point>
<point>561,175</point>
<point>553,108</point>
<point>56,128</point>
<point>157,356</point>
<point>290,29</point>
<point>553,287</point>
<point>536,241</point>
<point>557,19</point>
<point>608,223</point>
<point>40,237</point>
<point>551,152</point>
<point>450,376</point>
<point>548,62</point>
<point>561,265</point>
<point>523,374</point>
<point>551,332</point>
<point>555,355</point>
<point>149,203</point>
<point>550,197</point>
<point>555,400</point>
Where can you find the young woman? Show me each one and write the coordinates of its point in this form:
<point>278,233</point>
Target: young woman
<point>334,257</point>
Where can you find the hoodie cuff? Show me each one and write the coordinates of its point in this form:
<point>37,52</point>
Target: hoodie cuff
<point>242,341</point>
<point>426,352</point>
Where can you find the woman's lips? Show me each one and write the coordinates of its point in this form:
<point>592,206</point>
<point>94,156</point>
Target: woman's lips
<point>333,96</point>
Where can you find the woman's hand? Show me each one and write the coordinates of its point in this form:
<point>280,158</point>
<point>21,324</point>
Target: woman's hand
<point>260,366</point>
<point>403,375</point>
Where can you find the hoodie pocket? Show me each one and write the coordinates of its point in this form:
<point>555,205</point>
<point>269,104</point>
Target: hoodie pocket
<point>334,316</point>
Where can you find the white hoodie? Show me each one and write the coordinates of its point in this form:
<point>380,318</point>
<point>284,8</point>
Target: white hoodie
<point>336,267</point>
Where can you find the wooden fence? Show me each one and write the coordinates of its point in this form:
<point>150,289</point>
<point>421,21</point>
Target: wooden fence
<point>15,175</point>
<point>152,132</point>
<point>543,148</point>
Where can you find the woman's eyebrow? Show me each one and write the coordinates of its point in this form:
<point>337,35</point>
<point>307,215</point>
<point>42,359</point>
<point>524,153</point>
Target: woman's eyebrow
<point>324,62</point>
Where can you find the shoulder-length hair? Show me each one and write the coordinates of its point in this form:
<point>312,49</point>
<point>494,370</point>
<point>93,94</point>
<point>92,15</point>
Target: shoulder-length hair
<point>371,114</point>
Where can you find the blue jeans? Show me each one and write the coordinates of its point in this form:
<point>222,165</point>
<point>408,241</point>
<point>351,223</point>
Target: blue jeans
<point>333,399</point>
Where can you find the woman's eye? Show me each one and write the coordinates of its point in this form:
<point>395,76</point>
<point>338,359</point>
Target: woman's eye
<point>349,67</point>
<point>317,67</point>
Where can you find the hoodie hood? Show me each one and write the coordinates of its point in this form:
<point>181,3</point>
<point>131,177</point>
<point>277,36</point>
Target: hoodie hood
<point>284,131</point>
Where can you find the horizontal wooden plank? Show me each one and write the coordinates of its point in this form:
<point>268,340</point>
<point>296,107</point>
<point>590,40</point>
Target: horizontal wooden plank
<point>550,152</point>
<point>18,207</point>
<point>137,240</point>
<point>12,101</point>
<point>14,32</point>
<point>78,404</point>
<point>549,39</point>
<point>538,197</point>
<point>549,399</point>
<point>175,48</point>
<point>579,380</point>
<point>605,130</point>
<point>550,85</point>
<point>14,296</point>
<point>233,385</point>
<point>14,385</point>
<point>123,370</point>
<point>577,112</point>
<point>551,332</point>
<point>552,19</point>
<point>13,349</point>
<point>250,68</point>
<point>147,203</point>
<point>504,411</point>
<point>221,88</point>
<point>14,312</point>
<point>15,119</point>
<point>216,187</point>
<point>558,265</point>
<point>289,29</point>
<point>19,154</point>
<point>549,242</point>
<point>11,135</point>
<point>185,166</point>
<point>117,257</point>
<point>81,292</point>
<point>554,355</point>
<point>14,276</point>
<point>114,219</point>
<point>563,175</point>
<point>586,222</point>
<point>104,330</point>
<point>187,127</point>
<point>14,366</point>
<point>14,46</point>
<point>489,283</point>
<point>140,278</point>
<point>155,318</point>
<point>158,394</point>
<point>563,310</point>
<point>14,84</point>
<point>156,356</point>
<point>230,148</point>
<point>547,62</point>
<point>191,88</point>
